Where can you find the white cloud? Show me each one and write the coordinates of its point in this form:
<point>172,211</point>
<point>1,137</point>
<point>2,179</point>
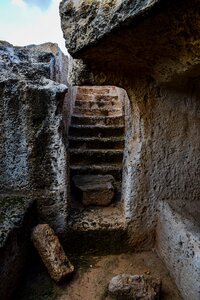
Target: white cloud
<point>38,26</point>
<point>20,3</point>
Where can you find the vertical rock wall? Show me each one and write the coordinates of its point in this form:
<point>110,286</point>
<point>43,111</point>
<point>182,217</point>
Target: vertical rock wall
<point>32,150</point>
<point>153,53</point>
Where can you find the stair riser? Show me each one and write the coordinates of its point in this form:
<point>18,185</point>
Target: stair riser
<point>97,98</point>
<point>96,112</point>
<point>81,97</point>
<point>76,120</point>
<point>96,131</point>
<point>96,105</point>
<point>117,174</point>
<point>94,91</point>
<point>95,158</point>
<point>96,144</point>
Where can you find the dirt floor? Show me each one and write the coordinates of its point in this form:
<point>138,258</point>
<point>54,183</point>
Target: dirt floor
<point>93,273</point>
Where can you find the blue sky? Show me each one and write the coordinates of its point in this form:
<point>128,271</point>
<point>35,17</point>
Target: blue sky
<point>24,22</point>
<point>43,4</point>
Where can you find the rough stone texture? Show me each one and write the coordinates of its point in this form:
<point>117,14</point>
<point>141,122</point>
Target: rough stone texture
<point>163,47</point>
<point>94,19</point>
<point>155,57</point>
<point>96,149</point>
<point>132,287</point>
<point>95,189</point>
<point>32,152</point>
<point>51,252</point>
<point>60,62</point>
<point>178,242</point>
<point>17,216</point>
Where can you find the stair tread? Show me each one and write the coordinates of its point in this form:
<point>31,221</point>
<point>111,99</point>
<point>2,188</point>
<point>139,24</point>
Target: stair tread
<point>95,166</point>
<point>96,117</point>
<point>103,168</point>
<point>96,126</point>
<point>97,100</point>
<point>75,150</point>
<point>103,139</point>
<point>96,130</point>
<point>110,218</point>
<point>99,108</point>
<point>97,113</point>
<point>94,120</point>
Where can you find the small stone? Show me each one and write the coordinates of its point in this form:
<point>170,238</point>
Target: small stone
<point>51,252</point>
<point>147,272</point>
<point>95,189</point>
<point>132,287</point>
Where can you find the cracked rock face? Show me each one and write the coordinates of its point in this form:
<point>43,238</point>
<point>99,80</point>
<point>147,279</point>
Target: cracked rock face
<point>32,152</point>
<point>151,38</point>
<point>84,22</point>
<point>153,53</point>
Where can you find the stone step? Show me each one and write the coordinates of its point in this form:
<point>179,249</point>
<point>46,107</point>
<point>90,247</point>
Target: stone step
<point>96,131</point>
<point>82,156</point>
<point>97,112</point>
<point>93,229</point>
<point>91,120</point>
<point>96,142</point>
<point>113,169</point>
<point>98,98</point>
<point>97,104</point>
<point>96,90</point>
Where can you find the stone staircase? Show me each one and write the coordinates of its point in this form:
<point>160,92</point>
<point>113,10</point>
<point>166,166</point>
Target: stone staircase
<point>96,143</point>
<point>96,134</point>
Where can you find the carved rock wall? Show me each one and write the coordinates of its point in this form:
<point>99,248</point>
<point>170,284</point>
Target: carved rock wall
<point>32,151</point>
<point>154,55</point>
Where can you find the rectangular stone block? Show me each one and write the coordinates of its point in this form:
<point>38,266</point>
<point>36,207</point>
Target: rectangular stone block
<point>95,189</point>
<point>51,252</point>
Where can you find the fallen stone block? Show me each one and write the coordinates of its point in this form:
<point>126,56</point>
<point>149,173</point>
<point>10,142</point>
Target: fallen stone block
<point>51,252</point>
<point>133,287</point>
<point>95,189</point>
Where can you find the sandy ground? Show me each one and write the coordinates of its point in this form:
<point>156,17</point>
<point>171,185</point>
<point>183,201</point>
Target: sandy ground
<point>92,276</point>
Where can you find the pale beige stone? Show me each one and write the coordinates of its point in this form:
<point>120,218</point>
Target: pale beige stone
<point>132,287</point>
<point>51,252</point>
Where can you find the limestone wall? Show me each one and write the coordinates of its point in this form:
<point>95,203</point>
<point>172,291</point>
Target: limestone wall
<point>94,19</point>
<point>155,57</point>
<point>32,151</point>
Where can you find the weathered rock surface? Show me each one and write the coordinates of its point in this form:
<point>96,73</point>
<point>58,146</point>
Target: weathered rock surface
<point>95,189</point>
<point>143,37</point>
<point>178,242</point>
<point>32,152</point>
<point>97,18</point>
<point>155,57</point>
<point>17,217</point>
<point>60,63</point>
<point>132,287</point>
<point>51,252</point>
